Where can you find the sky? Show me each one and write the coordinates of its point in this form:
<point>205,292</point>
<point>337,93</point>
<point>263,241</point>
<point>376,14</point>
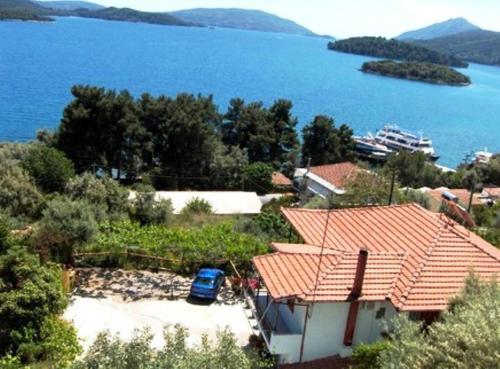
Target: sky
<point>347,18</point>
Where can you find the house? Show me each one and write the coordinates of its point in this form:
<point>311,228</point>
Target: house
<point>326,180</point>
<point>223,202</point>
<point>355,269</point>
<point>492,193</point>
<point>458,195</point>
<point>282,182</point>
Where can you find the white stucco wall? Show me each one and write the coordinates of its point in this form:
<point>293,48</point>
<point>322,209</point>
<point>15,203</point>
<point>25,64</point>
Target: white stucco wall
<point>326,327</point>
<point>368,327</point>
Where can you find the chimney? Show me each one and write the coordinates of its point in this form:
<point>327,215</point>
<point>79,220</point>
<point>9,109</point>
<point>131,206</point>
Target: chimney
<point>357,287</point>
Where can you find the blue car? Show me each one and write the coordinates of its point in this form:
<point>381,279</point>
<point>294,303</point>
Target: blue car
<point>207,283</point>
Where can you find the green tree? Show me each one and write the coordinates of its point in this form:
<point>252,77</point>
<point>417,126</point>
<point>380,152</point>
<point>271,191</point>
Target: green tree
<point>30,292</point>
<point>325,144</point>
<point>258,178</point>
<point>226,167</point>
<point>466,336</point>
<point>268,135</point>
<point>101,127</point>
<point>145,209</point>
<point>409,195</point>
<point>19,197</point>
<point>59,342</point>
<point>184,137</point>
<point>366,188</point>
<point>109,200</point>
<point>49,167</point>
<point>65,224</point>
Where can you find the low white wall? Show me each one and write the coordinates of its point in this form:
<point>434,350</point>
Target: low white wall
<point>369,326</point>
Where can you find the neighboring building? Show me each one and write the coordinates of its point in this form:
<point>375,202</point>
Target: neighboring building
<point>459,195</point>
<point>317,302</point>
<point>492,193</point>
<point>282,182</point>
<point>326,180</point>
<point>223,203</point>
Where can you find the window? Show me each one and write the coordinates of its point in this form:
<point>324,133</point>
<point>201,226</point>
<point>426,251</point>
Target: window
<point>291,305</point>
<point>380,313</point>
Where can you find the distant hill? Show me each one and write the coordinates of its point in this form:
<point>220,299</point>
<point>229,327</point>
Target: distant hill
<point>393,49</point>
<point>129,15</point>
<point>447,28</point>
<point>476,46</point>
<point>242,19</point>
<point>69,5</point>
<point>22,10</point>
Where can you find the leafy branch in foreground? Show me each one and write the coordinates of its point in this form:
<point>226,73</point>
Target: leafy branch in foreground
<point>110,352</point>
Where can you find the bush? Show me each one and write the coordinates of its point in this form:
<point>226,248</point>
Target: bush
<point>59,342</point>
<point>198,206</point>
<point>49,167</point>
<point>30,292</point>
<point>109,200</point>
<point>367,356</point>
<point>467,335</point>
<point>65,223</point>
<point>109,352</point>
<point>18,195</point>
<point>147,210</point>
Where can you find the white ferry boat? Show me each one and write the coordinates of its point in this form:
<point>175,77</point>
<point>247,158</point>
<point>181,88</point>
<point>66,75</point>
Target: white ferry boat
<point>369,148</point>
<point>397,139</point>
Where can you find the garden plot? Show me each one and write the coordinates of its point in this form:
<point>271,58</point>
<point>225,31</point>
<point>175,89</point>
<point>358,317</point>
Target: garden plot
<point>123,301</point>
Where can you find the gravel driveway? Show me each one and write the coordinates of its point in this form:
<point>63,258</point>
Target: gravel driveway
<point>121,302</point>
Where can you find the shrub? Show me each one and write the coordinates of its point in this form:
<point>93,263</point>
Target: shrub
<point>197,206</point>
<point>109,200</point>
<point>30,292</point>
<point>64,224</point>
<point>367,356</point>
<point>467,335</point>
<point>147,210</point>
<point>49,167</point>
<point>59,342</point>
<point>113,353</point>
<point>18,195</point>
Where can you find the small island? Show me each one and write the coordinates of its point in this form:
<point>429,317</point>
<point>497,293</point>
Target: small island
<point>414,71</point>
<point>380,47</point>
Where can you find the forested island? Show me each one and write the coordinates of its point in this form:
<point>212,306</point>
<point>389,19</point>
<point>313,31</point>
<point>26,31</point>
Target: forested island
<point>423,72</point>
<point>22,10</point>
<point>381,47</point>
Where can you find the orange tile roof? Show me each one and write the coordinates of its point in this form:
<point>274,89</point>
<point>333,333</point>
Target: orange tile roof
<point>462,194</point>
<point>417,259</point>
<point>493,191</point>
<point>336,174</point>
<point>279,179</point>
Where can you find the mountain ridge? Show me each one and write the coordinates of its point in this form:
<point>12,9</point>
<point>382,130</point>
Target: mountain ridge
<point>69,5</point>
<point>256,20</point>
<point>442,29</point>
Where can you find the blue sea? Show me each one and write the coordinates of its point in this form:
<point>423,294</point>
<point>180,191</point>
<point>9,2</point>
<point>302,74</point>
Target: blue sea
<point>39,62</point>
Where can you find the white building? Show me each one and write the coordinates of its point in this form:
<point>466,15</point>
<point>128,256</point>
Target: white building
<point>223,202</point>
<point>325,180</point>
<point>318,302</point>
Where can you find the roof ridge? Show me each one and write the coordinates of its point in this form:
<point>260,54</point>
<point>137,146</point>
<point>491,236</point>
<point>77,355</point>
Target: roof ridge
<point>323,274</point>
<point>362,208</point>
<point>397,276</point>
<point>421,265</point>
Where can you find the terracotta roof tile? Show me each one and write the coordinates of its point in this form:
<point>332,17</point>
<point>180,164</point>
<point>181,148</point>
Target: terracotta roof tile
<point>462,194</point>
<point>279,179</point>
<point>493,192</point>
<point>336,174</point>
<point>417,259</point>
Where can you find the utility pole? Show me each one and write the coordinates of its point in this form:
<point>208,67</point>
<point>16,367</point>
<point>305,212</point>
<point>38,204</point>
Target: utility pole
<point>473,187</point>
<point>305,182</point>
<point>393,181</point>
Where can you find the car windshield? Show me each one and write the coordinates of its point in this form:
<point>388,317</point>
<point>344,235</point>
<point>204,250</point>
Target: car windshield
<point>206,281</point>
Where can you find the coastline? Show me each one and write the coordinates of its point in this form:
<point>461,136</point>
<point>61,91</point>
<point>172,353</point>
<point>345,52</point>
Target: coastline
<point>429,81</point>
